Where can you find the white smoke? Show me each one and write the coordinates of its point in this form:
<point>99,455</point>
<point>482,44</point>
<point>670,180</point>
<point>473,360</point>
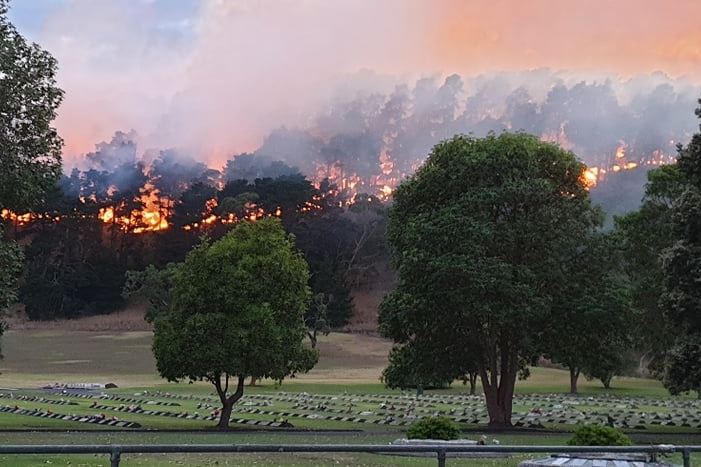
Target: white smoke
<point>215,76</point>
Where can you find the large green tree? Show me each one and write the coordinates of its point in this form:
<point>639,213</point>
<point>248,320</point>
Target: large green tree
<point>237,311</point>
<point>30,148</point>
<point>681,299</point>
<point>480,233</point>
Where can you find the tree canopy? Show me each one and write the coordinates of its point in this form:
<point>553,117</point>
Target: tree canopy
<point>237,311</point>
<point>30,148</point>
<point>480,233</point>
<point>681,262</point>
<point>645,234</point>
<point>590,330</point>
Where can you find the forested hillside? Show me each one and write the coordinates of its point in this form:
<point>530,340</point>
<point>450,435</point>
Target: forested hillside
<point>127,206</point>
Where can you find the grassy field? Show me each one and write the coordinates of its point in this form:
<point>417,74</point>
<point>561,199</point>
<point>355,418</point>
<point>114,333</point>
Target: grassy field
<point>350,365</point>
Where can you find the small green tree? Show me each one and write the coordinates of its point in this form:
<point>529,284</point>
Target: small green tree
<point>317,318</point>
<point>153,285</point>
<point>591,314</point>
<point>682,370</point>
<point>10,266</point>
<point>237,311</point>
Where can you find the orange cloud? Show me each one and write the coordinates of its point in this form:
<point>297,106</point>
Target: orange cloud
<point>251,65</point>
<point>625,37</point>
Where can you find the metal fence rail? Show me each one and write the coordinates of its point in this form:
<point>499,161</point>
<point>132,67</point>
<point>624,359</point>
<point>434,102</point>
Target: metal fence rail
<point>441,451</point>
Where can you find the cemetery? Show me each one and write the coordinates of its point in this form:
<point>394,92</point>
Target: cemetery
<point>551,412</point>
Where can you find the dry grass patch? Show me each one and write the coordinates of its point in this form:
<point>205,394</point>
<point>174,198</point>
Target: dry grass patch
<point>117,348</point>
<point>129,319</point>
<point>50,355</point>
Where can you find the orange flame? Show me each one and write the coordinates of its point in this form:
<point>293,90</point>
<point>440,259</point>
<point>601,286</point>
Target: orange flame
<point>18,219</point>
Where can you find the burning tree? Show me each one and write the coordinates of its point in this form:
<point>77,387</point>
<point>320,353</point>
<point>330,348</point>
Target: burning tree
<point>480,232</point>
<point>237,312</point>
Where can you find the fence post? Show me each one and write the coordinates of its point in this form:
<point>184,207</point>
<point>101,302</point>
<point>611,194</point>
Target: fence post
<point>441,457</point>
<point>686,457</point>
<point>115,456</point>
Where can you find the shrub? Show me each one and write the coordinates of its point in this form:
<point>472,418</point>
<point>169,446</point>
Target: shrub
<point>434,428</point>
<point>598,435</point>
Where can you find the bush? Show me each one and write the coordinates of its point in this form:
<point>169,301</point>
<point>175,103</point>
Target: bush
<point>599,435</point>
<point>434,428</point>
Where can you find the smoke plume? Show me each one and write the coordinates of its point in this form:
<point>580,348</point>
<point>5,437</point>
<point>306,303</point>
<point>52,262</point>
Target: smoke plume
<point>215,77</point>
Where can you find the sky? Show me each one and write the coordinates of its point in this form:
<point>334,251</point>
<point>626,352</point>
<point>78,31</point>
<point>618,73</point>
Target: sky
<point>217,75</point>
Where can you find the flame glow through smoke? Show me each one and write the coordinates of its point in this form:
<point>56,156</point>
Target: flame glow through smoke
<point>217,75</point>
<point>368,143</point>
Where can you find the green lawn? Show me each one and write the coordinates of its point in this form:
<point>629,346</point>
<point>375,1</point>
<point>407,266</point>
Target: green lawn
<point>346,379</point>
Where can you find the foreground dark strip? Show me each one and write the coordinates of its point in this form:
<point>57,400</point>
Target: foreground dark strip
<point>441,451</point>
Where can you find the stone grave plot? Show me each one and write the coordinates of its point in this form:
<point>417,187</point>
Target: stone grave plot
<point>375,409</point>
<point>39,399</point>
<point>625,413</point>
<point>634,403</point>
<point>435,403</point>
<point>117,397</point>
<point>99,419</point>
<point>175,396</point>
<point>385,409</point>
<point>211,416</point>
<point>276,407</point>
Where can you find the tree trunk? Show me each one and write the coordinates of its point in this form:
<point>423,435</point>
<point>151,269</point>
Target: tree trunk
<point>574,376</point>
<point>227,402</point>
<point>499,395</point>
<point>473,383</point>
<point>312,338</point>
<point>225,416</point>
<point>253,381</point>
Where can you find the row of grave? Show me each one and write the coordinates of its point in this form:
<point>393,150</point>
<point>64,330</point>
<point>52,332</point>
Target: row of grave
<point>388,417</point>
<point>621,402</point>
<point>28,398</point>
<point>524,399</point>
<point>627,419</point>
<point>117,397</point>
<point>102,419</point>
<point>536,400</point>
<point>558,413</point>
<point>96,419</point>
